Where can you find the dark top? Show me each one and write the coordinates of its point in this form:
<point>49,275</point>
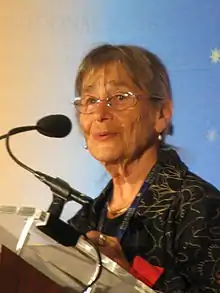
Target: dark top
<point>176,226</point>
<point>111,226</point>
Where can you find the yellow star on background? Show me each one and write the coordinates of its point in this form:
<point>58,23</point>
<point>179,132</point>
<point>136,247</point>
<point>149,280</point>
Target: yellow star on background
<point>215,56</point>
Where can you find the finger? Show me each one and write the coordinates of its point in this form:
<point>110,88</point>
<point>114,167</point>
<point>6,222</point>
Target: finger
<point>101,239</point>
<point>113,242</point>
<point>92,235</point>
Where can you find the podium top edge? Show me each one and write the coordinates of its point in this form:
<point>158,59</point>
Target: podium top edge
<point>23,211</point>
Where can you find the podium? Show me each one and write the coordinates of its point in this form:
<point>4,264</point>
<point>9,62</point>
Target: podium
<point>32,262</point>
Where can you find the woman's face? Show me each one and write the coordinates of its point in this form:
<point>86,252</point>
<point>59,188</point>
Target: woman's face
<point>117,135</point>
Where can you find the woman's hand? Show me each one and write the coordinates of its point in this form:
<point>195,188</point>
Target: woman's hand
<point>110,247</point>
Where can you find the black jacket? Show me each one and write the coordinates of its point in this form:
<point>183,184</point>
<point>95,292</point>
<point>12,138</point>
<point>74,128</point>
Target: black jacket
<point>176,226</point>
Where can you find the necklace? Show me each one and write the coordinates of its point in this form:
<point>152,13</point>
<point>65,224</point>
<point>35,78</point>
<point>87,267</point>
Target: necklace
<point>116,212</point>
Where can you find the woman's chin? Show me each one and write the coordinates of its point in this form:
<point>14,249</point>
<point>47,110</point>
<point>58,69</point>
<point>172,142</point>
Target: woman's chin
<point>106,156</point>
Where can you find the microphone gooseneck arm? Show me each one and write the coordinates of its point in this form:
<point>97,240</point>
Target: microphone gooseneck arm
<point>7,143</point>
<point>18,130</point>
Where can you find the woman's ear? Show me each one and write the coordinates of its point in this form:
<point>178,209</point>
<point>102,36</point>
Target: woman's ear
<point>164,116</point>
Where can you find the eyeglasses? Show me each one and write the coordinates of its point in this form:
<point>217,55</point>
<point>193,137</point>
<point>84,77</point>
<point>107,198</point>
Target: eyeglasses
<point>119,101</point>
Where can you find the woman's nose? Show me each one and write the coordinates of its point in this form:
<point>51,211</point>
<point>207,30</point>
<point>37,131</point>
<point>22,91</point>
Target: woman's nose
<point>102,110</point>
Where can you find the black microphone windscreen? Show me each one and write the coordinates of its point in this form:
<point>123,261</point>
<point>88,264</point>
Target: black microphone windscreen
<point>56,125</point>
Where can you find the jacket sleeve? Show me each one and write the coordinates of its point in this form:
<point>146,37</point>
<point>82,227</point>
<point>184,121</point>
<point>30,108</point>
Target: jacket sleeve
<point>196,245</point>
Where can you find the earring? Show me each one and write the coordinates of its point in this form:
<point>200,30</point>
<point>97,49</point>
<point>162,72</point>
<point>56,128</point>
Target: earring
<point>85,147</point>
<point>160,137</point>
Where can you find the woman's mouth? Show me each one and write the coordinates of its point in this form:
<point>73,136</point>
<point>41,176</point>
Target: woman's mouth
<point>100,136</point>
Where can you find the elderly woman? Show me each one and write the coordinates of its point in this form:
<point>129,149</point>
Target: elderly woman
<point>155,218</point>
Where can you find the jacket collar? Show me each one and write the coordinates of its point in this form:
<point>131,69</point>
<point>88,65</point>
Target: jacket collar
<point>168,156</point>
<point>167,159</point>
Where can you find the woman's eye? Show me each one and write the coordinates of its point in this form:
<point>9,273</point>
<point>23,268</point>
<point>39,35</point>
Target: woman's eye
<point>90,100</point>
<point>121,97</point>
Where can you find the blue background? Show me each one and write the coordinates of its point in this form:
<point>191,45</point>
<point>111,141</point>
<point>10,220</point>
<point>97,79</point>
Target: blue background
<point>183,34</point>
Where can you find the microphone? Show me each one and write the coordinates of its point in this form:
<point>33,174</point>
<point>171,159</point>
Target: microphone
<point>56,125</point>
<point>53,126</point>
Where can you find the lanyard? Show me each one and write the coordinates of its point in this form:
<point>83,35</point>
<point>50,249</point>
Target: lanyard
<point>132,209</point>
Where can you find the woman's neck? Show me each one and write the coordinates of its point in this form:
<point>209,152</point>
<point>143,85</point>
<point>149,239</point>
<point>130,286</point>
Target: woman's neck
<point>128,178</point>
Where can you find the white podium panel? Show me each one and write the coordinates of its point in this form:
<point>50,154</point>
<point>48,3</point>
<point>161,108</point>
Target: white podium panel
<point>70,267</point>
